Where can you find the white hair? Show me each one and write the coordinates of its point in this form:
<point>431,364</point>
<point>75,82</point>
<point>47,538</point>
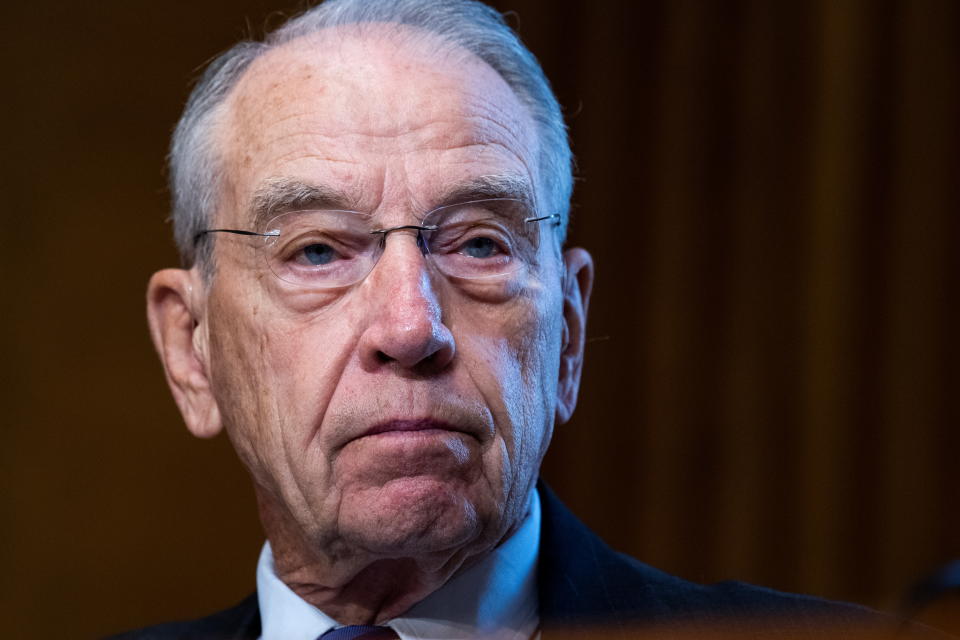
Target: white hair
<point>196,169</point>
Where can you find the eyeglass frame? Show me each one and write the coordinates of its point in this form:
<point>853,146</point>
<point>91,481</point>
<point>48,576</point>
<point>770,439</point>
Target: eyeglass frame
<point>555,217</point>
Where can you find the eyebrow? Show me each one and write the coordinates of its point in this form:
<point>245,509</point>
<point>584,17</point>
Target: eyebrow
<point>281,195</point>
<point>508,186</point>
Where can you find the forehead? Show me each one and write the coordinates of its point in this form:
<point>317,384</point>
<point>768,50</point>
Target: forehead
<point>380,112</point>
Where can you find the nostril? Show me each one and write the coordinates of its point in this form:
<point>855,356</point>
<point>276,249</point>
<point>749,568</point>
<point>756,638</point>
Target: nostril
<point>383,358</point>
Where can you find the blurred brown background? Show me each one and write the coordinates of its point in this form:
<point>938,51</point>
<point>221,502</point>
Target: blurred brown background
<point>770,190</point>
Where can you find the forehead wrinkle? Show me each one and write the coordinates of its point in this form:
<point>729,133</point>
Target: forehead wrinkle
<point>483,131</point>
<point>279,191</point>
<point>487,110</point>
<point>465,138</point>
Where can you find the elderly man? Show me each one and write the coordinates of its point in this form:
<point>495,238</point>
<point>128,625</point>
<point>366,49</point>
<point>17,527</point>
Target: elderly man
<point>377,309</point>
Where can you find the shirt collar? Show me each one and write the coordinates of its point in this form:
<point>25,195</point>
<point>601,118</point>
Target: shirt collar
<point>495,598</point>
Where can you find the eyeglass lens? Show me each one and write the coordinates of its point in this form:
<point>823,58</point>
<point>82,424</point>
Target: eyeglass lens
<point>328,248</point>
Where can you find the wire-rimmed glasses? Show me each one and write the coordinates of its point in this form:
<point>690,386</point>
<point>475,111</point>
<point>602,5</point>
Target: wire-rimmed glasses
<point>327,248</point>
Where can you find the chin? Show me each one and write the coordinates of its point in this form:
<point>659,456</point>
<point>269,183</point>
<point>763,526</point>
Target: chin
<point>411,515</point>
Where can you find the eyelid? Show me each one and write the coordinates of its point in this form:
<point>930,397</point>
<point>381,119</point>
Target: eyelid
<point>357,241</point>
<point>293,218</point>
<point>458,234</point>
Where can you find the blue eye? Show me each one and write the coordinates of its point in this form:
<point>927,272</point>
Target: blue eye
<point>480,248</point>
<point>318,254</point>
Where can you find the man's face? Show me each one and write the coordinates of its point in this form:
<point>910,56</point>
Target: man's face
<point>407,413</point>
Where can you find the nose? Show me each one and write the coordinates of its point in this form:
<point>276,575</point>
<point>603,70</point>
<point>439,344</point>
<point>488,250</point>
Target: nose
<point>405,327</point>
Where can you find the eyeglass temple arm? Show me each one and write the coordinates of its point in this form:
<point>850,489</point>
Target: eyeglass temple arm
<point>239,232</point>
<point>555,217</point>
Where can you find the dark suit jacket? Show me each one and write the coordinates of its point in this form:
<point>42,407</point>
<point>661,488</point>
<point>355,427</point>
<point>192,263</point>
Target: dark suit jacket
<point>587,589</point>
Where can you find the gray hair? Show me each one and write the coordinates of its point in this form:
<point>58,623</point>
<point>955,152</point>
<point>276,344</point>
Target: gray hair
<point>196,170</point>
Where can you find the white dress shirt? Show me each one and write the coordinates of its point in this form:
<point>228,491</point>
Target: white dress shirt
<point>495,598</point>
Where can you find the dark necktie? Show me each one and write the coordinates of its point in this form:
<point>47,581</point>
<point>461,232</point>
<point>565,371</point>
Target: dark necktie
<point>360,632</point>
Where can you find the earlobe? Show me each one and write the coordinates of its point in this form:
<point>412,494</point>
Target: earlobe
<point>176,326</point>
<point>578,283</point>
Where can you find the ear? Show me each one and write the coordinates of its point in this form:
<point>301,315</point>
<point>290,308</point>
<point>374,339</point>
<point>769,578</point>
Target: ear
<point>577,285</point>
<point>179,335</point>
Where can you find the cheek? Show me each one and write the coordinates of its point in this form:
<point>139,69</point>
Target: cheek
<point>514,356</point>
<point>273,375</point>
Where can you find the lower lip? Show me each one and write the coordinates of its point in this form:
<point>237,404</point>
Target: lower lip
<point>397,453</point>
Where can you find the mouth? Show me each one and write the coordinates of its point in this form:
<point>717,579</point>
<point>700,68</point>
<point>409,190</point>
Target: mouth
<point>410,426</point>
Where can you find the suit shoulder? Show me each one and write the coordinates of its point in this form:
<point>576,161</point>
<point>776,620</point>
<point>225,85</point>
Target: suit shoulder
<point>583,582</point>
<point>237,623</point>
<point>676,597</point>
<point>763,601</point>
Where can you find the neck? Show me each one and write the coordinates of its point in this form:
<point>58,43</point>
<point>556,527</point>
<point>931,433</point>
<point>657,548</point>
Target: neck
<point>351,585</point>
<point>378,591</point>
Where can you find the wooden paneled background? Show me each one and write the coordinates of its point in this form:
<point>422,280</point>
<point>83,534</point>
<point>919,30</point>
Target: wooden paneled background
<point>770,190</point>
